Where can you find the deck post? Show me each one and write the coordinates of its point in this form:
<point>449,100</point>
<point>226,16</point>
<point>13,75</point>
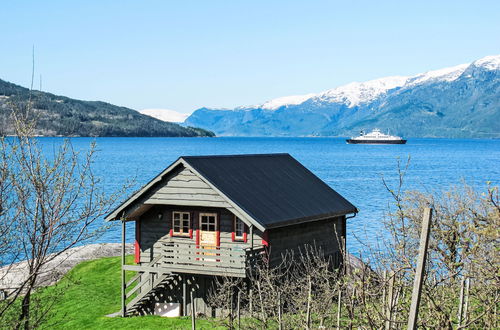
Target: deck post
<point>420,272</point>
<point>193,312</point>
<point>251,236</point>
<point>124,306</point>
<point>184,295</point>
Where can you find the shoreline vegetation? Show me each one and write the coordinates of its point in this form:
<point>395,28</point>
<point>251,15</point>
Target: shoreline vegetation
<point>65,117</point>
<point>13,275</point>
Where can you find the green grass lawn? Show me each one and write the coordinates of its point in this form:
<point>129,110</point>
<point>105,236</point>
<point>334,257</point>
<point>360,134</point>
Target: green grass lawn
<point>90,291</point>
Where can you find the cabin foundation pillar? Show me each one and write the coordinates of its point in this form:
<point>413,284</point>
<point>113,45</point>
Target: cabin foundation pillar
<point>184,295</point>
<point>124,306</point>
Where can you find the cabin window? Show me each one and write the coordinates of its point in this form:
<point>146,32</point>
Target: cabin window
<point>181,223</point>
<point>208,222</point>
<point>239,230</point>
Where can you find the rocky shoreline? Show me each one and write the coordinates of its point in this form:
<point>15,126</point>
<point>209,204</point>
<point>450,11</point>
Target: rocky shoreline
<point>12,276</point>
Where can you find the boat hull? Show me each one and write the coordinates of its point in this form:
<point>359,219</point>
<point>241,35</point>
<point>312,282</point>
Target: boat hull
<point>353,141</point>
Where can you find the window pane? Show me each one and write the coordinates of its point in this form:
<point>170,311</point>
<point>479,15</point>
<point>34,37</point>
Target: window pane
<point>239,227</point>
<point>181,222</point>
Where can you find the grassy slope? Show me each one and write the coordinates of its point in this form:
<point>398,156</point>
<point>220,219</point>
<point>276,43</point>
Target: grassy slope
<point>93,291</point>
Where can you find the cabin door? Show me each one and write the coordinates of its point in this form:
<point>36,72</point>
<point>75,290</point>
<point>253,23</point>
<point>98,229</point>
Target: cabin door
<point>208,233</point>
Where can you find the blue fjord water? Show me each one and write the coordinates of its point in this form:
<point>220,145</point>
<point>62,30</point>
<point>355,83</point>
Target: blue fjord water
<point>355,171</point>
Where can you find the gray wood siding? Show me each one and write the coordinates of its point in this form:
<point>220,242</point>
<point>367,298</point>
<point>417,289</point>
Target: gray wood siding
<point>153,229</point>
<point>324,234</point>
<point>186,189</point>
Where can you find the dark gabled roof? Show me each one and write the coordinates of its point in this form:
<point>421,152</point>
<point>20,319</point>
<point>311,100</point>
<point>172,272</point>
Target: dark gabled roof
<point>274,189</point>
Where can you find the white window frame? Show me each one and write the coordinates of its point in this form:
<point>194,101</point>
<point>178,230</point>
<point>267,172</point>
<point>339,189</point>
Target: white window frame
<point>243,229</point>
<point>181,224</point>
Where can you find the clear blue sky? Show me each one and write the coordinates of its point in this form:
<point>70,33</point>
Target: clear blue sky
<point>183,55</point>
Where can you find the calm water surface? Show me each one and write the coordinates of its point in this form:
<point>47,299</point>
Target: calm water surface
<point>354,171</point>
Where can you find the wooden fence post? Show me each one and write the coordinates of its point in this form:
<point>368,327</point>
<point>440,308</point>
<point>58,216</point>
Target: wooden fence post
<point>231,301</point>
<point>238,306</point>
<point>384,291</point>
<point>461,302</point>
<point>419,274</point>
<point>309,298</point>
<point>184,295</point>
<point>280,325</point>
<point>250,293</point>
<point>466,300</point>
<point>390,299</point>
<point>339,308</point>
<point>264,318</point>
<point>193,312</point>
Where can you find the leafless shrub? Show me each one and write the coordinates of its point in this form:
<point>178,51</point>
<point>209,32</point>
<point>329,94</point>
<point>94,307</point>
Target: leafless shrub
<point>48,204</point>
<point>375,290</point>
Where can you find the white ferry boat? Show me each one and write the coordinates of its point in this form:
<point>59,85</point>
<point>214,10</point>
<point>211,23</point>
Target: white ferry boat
<point>375,137</point>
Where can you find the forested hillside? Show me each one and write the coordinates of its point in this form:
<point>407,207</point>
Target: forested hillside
<point>62,116</point>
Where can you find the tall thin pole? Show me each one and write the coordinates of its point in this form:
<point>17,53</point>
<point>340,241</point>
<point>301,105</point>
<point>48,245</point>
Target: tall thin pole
<point>251,301</point>
<point>419,274</point>
<point>461,302</point>
<point>339,307</point>
<point>238,309</point>
<point>390,299</point>
<point>466,300</point>
<point>308,312</point>
<point>280,324</point>
<point>184,295</point>
<point>251,236</point>
<point>193,312</point>
<point>124,306</point>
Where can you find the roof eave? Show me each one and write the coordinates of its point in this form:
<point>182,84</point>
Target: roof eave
<point>297,221</point>
<point>114,215</point>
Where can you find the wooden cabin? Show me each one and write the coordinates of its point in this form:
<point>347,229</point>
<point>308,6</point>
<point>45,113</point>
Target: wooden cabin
<point>209,216</point>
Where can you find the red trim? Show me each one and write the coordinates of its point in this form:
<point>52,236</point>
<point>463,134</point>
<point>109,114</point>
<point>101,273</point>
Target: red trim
<point>218,228</point>
<point>137,244</point>
<point>265,238</point>
<point>233,233</point>
<point>198,234</point>
<point>218,233</point>
<point>191,214</point>
<point>245,231</point>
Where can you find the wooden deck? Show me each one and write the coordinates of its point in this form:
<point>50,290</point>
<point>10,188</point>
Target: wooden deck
<point>193,259</point>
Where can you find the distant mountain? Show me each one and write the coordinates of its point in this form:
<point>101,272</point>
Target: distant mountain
<point>63,116</point>
<point>461,101</point>
<point>170,116</point>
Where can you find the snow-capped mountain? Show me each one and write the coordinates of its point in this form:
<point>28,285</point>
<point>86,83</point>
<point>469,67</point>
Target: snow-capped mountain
<point>165,115</point>
<point>459,101</point>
